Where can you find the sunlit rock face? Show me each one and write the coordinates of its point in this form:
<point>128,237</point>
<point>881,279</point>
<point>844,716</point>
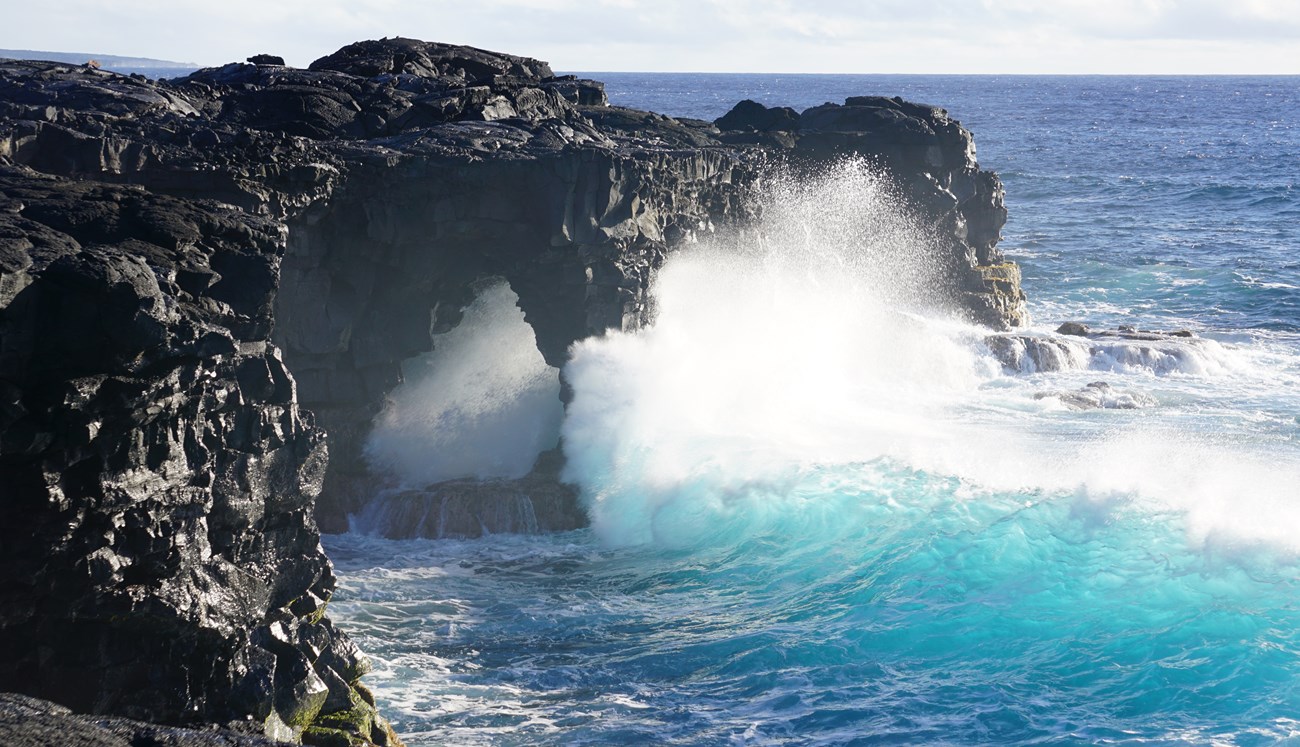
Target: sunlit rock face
<point>201,278</point>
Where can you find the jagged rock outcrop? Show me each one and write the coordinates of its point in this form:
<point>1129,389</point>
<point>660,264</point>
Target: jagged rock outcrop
<point>200,278</point>
<point>159,555</point>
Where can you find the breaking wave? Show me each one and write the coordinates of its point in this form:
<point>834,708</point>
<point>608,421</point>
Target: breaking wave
<point>809,344</point>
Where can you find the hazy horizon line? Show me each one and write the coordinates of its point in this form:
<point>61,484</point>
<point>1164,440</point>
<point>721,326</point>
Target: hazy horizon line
<point>193,66</point>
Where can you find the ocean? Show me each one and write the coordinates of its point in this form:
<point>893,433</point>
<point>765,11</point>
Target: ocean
<point>823,514</point>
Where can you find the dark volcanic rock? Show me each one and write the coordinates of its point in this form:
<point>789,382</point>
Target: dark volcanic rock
<point>1073,328</point>
<point>188,267</point>
<point>159,552</point>
<point>932,157</point>
<point>535,503</point>
<point>445,64</point>
<point>31,722</point>
<point>751,115</point>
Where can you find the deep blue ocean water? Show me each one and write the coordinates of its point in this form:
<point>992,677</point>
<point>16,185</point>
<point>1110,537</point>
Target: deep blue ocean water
<point>820,518</point>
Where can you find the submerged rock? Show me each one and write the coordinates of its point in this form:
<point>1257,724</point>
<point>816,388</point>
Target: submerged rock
<point>1100,395</point>
<point>1124,349</point>
<point>1033,353</point>
<point>473,508</point>
<point>466,508</point>
<point>201,277</point>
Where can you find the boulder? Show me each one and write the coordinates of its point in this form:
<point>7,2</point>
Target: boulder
<point>1075,329</point>
<point>754,117</point>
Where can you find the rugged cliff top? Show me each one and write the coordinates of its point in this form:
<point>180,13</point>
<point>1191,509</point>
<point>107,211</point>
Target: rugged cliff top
<point>374,101</point>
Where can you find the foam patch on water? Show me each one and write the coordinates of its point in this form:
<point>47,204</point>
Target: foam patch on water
<point>483,404</point>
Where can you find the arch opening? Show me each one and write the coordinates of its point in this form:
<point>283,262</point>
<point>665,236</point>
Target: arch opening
<point>483,404</point>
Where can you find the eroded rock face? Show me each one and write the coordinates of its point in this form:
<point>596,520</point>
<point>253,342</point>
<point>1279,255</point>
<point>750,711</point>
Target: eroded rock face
<point>159,555</point>
<point>188,268</point>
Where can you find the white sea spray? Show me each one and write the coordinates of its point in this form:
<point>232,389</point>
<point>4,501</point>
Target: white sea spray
<point>482,404</point>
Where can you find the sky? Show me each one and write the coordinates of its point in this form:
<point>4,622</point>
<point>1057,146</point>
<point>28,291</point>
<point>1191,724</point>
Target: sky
<point>813,36</point>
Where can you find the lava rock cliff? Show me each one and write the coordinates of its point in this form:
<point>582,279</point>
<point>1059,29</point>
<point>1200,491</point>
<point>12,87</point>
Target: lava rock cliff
<point>201,278</point>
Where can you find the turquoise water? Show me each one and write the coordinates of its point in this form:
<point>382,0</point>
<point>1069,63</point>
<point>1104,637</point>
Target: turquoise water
<point>909,615</point>
<point>823,515</point>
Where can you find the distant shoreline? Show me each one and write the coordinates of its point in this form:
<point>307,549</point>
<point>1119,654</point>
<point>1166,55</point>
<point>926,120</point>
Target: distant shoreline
<point>145,66</point>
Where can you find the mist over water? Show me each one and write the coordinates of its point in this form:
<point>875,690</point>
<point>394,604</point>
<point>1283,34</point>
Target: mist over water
<point>795,344</point>
<point>483,404</point>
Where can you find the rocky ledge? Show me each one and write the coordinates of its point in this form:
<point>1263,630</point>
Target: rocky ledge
<point>1075,346</point>
<point>201,278</point>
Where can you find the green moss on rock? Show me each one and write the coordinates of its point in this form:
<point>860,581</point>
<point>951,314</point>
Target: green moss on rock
<point>321,736</point>
<point>359,725</point>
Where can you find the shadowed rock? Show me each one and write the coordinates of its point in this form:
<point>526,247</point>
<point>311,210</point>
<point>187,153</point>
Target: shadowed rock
<point>473,508</point>
<point>159,553</point>
<point>751,115</point>
<point>538,502</point>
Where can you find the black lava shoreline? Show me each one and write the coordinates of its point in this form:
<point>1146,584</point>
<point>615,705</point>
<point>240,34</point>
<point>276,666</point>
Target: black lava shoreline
<point>201,278</point>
